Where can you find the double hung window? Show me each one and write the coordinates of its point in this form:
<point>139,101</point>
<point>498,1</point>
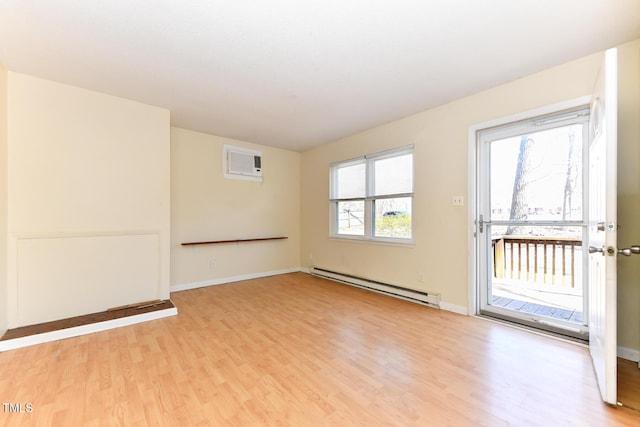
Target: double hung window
<point>371,197</point>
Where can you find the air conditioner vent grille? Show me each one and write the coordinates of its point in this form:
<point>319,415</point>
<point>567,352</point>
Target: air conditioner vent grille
<point>242,163</point>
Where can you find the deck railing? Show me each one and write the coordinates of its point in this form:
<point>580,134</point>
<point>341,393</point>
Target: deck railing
<point>549,261</point>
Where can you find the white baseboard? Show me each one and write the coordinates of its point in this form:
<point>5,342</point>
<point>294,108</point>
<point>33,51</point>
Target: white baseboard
<point>629,354</point>
<point>222,281</point>
<point>459,309</point>
<point>85,329</point>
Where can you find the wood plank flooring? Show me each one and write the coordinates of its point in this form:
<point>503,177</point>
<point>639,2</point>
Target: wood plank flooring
<point>296,350</point>
<point>629,384</point>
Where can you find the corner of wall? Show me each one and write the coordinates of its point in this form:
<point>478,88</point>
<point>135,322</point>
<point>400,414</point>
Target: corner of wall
<point>206,206</point>
<point>3,199</point>
<point>629,197</point>
<point>110,213</point>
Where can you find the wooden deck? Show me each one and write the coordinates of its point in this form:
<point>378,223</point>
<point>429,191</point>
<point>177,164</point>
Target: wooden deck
<point>550,260</point>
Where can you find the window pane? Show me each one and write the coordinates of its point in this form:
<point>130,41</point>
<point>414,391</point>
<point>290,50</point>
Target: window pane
<point>350,217</point>
<point>350,181</point>
<point>538,176</point>
<point>393,217</point>
<point>394,175</point>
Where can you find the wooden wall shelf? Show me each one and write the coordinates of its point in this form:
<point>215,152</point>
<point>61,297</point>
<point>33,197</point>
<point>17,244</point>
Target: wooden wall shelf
<point>216,242</point>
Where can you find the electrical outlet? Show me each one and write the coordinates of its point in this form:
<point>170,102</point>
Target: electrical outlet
<point>421,277</point>
<point>458,200</point>
<point>212,264</point>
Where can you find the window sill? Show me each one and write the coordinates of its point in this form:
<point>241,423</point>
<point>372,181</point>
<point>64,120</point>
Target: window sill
<point>402,243</point>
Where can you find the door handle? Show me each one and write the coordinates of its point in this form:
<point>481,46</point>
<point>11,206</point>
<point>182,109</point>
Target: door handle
<point>481,223</point>
<point>635,249</point>
<point>593,250</point>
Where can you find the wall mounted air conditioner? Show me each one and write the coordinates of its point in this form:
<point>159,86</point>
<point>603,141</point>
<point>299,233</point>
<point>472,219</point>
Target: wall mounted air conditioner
<point>242,163</point>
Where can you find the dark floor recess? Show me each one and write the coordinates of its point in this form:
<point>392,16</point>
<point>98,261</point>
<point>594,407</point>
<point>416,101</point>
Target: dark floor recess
<point>87,319</point>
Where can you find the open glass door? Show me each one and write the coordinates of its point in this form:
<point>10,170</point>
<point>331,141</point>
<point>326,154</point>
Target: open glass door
<point>531,222</point>
<point>602,233</point>
<point>546,229</point>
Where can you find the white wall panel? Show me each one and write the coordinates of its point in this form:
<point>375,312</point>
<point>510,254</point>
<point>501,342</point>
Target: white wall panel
<point>61,277</point>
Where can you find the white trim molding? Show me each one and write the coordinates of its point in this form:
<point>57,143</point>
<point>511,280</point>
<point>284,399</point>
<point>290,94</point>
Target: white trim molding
<point>453,308</point>
<point>223,280</point>
<point>629,354</point>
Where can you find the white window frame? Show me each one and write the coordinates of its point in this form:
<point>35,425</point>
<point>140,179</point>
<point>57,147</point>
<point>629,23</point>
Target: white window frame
<point>369,197</point>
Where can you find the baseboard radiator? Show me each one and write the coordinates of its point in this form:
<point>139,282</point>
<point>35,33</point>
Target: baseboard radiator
<point>427,298</point>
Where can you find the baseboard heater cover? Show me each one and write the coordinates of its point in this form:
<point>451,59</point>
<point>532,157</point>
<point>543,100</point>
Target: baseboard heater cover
<point>428,298</point>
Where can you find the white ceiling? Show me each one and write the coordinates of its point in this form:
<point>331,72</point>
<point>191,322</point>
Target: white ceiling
<point>296,73</point>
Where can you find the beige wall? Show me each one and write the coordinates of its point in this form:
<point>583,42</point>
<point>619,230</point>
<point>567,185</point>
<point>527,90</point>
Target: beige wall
<point>629,193</point>
<point>88,201</point>
<point>3,199</point>
<point>440,136</point>
<point>88,174</point>
<point>441,230</point>
<point>205,206</point>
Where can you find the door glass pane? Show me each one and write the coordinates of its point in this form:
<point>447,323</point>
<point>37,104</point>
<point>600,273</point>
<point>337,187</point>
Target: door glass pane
<point>538,271</point>
<point>393,217</point>
<point>534,261</point>
<point>393,175</point>
<point>351,217</point>
<point>538,176</point>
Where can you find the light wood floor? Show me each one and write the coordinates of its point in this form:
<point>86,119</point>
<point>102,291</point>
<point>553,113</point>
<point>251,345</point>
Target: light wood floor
<point>296,350</point>
<point>629,384</point>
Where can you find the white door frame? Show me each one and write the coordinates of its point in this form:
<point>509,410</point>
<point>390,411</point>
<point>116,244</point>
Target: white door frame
<point>473,185</point>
